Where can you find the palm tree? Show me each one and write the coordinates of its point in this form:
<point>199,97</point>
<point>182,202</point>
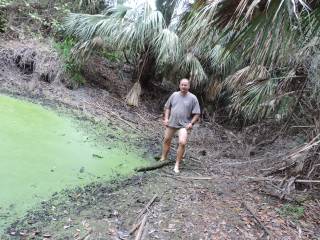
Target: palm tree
<point>139,30</point>
<point>278,35</point>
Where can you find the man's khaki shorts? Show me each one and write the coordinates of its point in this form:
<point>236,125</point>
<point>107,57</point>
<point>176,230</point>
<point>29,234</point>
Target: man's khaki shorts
<point>183,133</point>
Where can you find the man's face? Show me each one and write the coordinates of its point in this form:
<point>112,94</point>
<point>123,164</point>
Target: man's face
<point>184,85</point>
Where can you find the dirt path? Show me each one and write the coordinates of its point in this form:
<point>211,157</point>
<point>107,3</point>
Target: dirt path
<point>208,200</point>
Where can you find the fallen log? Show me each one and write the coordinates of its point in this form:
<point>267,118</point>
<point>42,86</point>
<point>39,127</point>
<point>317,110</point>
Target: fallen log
<point>154,166</point>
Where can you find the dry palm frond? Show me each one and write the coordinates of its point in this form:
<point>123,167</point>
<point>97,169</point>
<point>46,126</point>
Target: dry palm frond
<point>252,92</point>
<point>245,76</point>
<point>285,83</point>
<point>98,41</point>
<point>133,96</point>
<point>266,30</point>
<point>254,100</point>
<point>214,89</point>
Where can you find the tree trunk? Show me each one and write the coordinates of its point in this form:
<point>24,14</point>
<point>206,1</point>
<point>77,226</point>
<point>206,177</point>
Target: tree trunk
<point>145,73</point>
<point>146,70</point>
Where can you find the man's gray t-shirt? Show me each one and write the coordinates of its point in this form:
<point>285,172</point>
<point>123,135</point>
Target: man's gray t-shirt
<point>182,107</point>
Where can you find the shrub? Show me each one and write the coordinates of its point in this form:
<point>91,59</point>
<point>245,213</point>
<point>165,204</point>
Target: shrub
<point>72,67</point>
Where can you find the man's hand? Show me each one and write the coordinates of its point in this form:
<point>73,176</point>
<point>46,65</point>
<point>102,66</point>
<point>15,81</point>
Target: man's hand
<point>165,122</point>
<point>189,126</point>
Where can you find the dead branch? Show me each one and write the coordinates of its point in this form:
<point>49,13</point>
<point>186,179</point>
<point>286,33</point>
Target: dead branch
<point>257,219</point>
<point>262,179</point>
<point>289,186</point>
<point>112,113</point>
<point>196,177</point>
<point>147,206</point>
<point>275,195</point>
<point>174,177</point>
<point>141,228</point>
<point>86,235</point>
<point>134,228</point>
<point>192,158</point>
<point>241,163</point>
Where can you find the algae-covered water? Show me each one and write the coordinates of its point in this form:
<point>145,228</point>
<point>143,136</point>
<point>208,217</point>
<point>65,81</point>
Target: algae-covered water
<point>42,152</point>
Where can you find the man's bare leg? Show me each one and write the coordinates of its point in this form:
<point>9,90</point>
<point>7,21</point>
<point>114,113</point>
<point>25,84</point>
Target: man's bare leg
<point>183,135</point>
<point>168,135</point>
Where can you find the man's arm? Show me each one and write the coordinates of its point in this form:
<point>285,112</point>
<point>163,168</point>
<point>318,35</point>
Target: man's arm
<point>166,116</point>
<point>196,113</point>
<point>167,110</point>
<point>194,119</point>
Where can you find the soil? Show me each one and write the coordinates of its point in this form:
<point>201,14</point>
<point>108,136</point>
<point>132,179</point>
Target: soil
<point>209,199</point>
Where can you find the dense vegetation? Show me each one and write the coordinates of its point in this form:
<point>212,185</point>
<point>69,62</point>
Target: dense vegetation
<point>257,56</point>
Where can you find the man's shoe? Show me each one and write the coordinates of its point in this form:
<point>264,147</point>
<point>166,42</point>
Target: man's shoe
<point>176,169</point>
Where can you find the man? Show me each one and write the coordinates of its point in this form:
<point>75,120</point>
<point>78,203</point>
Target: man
<point>181,112</point>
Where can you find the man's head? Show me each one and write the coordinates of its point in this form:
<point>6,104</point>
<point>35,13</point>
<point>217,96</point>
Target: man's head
<point>184,85</point>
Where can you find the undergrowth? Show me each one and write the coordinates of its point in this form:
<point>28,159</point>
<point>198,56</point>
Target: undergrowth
<point>71,66</point>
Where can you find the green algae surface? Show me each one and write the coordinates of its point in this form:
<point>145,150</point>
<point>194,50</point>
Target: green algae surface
<point>43,152</point>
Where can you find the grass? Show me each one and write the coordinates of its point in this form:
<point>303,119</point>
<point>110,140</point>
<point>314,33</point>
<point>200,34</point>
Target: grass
<point>292,210</point>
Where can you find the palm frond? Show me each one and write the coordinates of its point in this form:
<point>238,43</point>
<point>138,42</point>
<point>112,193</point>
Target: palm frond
<point>255,100</point>
<point>154,22</point>
<point>120,26</point>
<point>214,89</point>
<point>192,66</point>
<point>84,26</point>
<point>245,76</point>
<point>266,30</point>
<point>221,65</point>
<point>167,46</point>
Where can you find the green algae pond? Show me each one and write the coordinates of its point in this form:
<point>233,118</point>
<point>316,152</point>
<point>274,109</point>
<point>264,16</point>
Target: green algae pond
<point>43,152</point>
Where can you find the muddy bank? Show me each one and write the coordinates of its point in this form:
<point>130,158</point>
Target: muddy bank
<point>44,152</point>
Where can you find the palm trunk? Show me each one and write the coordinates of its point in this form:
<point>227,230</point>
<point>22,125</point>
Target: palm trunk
<point>146,72</point>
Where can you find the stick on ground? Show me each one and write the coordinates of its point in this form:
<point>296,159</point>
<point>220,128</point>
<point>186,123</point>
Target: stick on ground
<point>141,228</point>
<point>257,219</point>
<point>147,206</point>
<point>134,228</point>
